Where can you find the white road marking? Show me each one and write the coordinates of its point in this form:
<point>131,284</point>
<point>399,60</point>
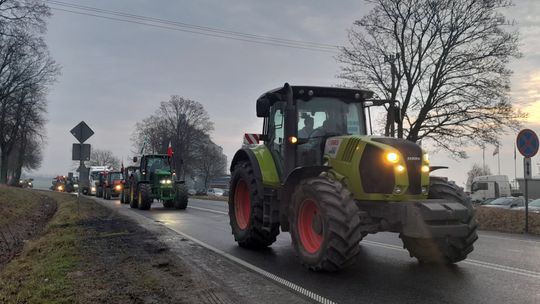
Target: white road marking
<point>209,210</point>
<point>308,293</point>
<point>482,235</point>
<point>492,266</point>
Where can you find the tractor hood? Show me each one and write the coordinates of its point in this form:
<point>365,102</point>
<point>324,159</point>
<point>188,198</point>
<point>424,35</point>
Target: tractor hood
<point>385,168</point>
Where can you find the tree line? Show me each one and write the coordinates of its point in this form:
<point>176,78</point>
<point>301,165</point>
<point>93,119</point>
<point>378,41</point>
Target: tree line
<point>26,71</point>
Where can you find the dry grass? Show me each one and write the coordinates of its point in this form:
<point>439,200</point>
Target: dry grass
<point>505,220</point>
<point>16,203</point>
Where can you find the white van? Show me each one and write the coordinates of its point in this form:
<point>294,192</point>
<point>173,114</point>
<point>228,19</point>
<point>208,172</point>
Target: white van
<point>490,187</point>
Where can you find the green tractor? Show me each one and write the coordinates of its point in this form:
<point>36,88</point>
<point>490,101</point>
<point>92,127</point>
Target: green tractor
<point>128,174</point>
<point>320,176</point>
<point>154,179</point>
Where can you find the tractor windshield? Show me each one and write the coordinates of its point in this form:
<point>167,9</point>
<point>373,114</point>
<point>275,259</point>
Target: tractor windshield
<point>326,116</point>
<point>158,163</point>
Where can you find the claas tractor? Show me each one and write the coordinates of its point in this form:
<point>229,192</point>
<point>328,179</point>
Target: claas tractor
<point>113,186</point>
<point>128,173</point>
<point>154,179</point>
<point>321,177</point>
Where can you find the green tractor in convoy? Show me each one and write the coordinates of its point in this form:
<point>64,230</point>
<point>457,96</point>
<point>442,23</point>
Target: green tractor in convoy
<point>154,179</point>
<point>320,176</point>
<point>128,174</point>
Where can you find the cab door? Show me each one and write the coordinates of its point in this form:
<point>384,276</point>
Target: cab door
<point>276,135</point>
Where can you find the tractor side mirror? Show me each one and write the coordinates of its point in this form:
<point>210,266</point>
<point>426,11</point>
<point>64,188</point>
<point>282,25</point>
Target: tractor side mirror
<point>135,159</point>
<point>263,107</point>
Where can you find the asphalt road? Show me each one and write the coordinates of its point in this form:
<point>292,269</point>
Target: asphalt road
<point>503,268</point>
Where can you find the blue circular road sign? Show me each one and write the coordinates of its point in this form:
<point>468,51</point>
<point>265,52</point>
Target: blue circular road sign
<point>527,143</point>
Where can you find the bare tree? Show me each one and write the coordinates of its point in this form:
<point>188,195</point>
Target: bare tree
<point>182,122</point>
<point>446,61</point>
<point>210,163</point>
<point>100,157</point>
<point>26,70</point>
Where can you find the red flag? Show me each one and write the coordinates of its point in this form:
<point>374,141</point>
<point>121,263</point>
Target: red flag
<point>169,150</point>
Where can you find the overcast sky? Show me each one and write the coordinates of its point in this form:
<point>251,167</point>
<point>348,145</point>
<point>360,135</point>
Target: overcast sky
<point>115,74</point>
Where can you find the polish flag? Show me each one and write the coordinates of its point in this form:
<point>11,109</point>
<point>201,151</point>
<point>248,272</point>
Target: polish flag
<point>169,150</point>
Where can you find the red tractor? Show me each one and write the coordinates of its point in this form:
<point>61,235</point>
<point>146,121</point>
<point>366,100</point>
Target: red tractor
<point>113,186</point>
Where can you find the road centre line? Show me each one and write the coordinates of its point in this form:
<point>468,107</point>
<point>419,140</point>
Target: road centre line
<point>492,266</point>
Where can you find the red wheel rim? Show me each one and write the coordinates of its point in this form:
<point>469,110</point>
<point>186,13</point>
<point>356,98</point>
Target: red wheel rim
<point>310,226</point>
<point>242,204</point>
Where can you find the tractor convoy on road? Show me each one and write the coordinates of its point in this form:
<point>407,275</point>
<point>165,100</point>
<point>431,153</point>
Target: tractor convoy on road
<point>322,176</point>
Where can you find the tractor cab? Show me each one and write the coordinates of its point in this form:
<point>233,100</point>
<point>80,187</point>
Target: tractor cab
<point>298,120</point>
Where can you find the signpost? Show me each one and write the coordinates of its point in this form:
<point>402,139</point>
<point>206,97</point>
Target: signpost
<point>81,152</point>
<point>527,144</point>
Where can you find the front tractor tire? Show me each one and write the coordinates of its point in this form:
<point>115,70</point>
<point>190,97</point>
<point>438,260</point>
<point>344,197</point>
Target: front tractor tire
<point>180,197</point>
<point>144,196</point>
<point>447,250</point>
<point>325,224</point>
<point>246,210</point>
<point>133,197</point>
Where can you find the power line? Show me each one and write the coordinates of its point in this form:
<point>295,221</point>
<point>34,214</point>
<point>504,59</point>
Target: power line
<point>190,28</point>
<point>188,25</point>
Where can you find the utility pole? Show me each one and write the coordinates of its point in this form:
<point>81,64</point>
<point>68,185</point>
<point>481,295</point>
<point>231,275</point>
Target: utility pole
<point>484,158</point>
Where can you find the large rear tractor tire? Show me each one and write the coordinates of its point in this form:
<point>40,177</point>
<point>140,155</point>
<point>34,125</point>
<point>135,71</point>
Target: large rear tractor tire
<point>181,197</point>
<point>325,224</point>
<point>144,196</point>
<point>246,210</point>
<point>447,250</point>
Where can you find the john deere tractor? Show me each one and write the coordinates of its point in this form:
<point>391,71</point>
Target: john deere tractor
<point>320,176</point>
<point>154,179</point>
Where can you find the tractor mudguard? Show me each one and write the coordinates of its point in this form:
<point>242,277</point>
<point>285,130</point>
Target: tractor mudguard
<point>288,187</point>
<point>248,155</point>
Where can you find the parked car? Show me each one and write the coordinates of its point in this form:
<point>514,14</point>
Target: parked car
<point>214,192</point>
<point>506,202</point>
<point>534,206</point>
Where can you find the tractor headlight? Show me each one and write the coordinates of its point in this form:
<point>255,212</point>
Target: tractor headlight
<point>165,181</point>
<point>60,188</point>
<point>93,189</point>
<point>118,187</point>
<point>400,168</point>
<point>392,157</point>
<point>425,169</point>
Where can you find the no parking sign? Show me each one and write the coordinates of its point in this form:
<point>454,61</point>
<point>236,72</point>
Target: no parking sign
<point>527,143</point>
